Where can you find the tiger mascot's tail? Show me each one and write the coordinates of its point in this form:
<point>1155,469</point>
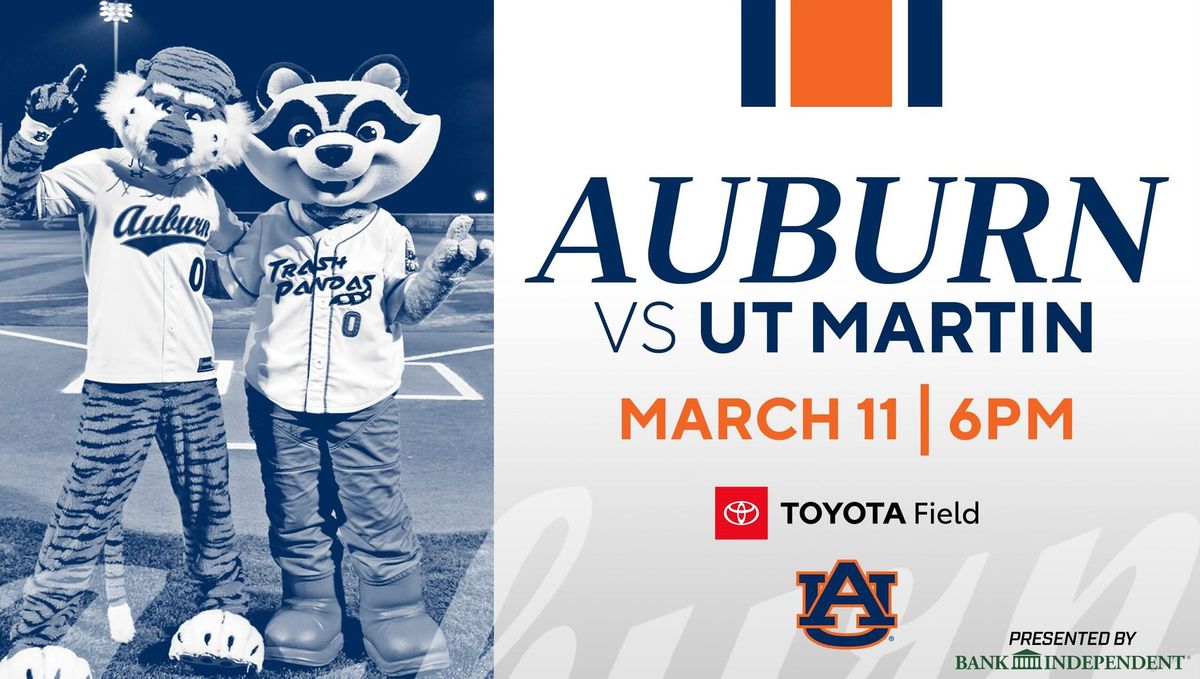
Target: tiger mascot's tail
<point>120,617</point>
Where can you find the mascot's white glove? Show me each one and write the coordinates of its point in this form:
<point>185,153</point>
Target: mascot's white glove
<point>451,260</point>
<point>458,253</point>
<point>50,662</point>
<point>218,639</point>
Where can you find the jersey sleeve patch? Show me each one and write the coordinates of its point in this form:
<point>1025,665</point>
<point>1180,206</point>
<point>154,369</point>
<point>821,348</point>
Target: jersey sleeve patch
<point>410,257</point>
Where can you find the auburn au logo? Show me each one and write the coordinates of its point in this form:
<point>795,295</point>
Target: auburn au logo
<point>849,588</point>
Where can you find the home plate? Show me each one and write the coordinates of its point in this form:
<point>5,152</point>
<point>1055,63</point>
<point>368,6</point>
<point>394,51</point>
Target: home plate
<point>433,381</point>
<point>223,371</point>
<point>423,381</point>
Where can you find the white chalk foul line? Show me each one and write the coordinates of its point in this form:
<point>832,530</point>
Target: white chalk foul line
<point>465,391</point>
<point>55,297</point>
<point>452,352</point>
<point>47,340</point>
<point>224,374</point>
<point>77,345</point>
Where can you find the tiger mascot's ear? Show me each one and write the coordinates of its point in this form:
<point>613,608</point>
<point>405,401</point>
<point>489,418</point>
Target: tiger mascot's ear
<point>386,70</point>
<point>279,78</point>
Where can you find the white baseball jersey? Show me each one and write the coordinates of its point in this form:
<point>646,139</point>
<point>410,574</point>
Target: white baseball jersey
<point>143,256</point>
<point>323,338</point>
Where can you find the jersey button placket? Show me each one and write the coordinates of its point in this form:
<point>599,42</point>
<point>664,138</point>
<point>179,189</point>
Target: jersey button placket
<point>168,321</point>
<point>171,298</point>
<point>320,341</point>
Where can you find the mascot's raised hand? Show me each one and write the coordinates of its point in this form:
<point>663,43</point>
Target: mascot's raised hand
<point>54,104</point>
<point>452,259</point>
<point>458,253</point>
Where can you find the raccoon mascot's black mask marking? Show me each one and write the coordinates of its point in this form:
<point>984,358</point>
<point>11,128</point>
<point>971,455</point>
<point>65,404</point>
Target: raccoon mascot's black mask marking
<point>339,143</point>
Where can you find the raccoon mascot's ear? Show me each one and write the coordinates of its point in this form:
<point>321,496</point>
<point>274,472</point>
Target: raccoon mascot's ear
<point>279,78</point>
<point>386,70</point>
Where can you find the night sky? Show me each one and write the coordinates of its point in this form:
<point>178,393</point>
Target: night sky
<point>446,45</point>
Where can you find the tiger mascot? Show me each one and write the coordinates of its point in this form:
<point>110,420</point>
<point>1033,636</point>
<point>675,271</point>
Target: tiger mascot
<point>147,216</point>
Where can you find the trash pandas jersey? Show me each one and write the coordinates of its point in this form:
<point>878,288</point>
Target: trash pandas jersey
<point>144,242</point>
<point>324,337</point>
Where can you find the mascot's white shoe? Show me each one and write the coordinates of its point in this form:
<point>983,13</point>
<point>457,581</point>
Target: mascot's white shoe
<point>218,639</point>
<point>49,662</point>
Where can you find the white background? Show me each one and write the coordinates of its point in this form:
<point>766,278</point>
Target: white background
<point>1045,89</point>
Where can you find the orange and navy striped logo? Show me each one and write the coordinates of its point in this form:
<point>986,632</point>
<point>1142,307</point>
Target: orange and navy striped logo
<point>841,52</point>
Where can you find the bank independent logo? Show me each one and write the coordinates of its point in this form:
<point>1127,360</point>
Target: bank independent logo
<point>1028,659</point>
<point>841,52</point>
<point>846,590</point>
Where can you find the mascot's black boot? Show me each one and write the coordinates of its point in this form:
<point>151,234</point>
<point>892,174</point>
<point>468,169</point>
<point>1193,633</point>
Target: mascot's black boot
<point>307,628</point>
<point>399,635</point>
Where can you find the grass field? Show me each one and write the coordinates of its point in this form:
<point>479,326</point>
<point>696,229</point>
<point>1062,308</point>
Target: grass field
<point>160,591</point>
<point>447,469</point>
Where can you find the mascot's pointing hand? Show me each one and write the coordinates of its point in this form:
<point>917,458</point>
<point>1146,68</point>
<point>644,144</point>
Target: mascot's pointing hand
<point>458,253</point>
<point>54,104</point>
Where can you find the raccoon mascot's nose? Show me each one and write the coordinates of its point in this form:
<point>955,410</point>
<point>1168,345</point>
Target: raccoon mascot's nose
<point>170,139</point>
<point>334,155</point>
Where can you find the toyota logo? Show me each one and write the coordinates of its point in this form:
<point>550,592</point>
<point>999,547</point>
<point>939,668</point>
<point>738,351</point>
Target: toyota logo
<point>741,513</point>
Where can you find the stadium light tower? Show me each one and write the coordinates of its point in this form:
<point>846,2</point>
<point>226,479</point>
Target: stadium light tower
<point>116,13</point>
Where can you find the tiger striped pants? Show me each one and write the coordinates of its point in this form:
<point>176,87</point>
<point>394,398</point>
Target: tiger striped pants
<point>118,425</point>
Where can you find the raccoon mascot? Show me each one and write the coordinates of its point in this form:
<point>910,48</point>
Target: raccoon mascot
<point>147,215</point>
<point>332,278</point>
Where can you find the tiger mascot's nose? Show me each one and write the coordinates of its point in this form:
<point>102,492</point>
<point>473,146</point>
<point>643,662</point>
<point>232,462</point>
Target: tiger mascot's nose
<point>334,155</point>
<point>170,139</point>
